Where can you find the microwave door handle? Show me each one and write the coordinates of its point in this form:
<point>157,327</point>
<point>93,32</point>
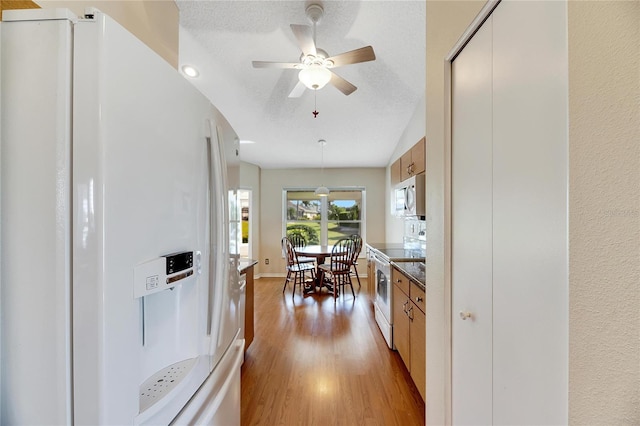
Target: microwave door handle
<point>410,198</point>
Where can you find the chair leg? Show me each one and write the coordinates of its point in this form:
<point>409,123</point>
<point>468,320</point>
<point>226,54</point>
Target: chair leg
<point>296,280</point>
<point>351,284</point>
<point>286,281</point>
<point>357,276</point>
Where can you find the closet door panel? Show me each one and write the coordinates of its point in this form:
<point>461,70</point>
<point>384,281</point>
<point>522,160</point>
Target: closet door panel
<point>471,231</point>
<point>530,213</point>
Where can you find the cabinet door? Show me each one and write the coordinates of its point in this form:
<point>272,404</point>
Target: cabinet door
<point>471,204</point>
<point>418,156</point>
<point>401,325</point>
<point>418,349</point>
<point>371,277</point>
<point>405,165</point>
<point>396,173</point>
<point>248,313</point>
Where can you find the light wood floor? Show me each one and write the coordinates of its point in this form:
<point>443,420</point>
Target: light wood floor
<point>313,362</point>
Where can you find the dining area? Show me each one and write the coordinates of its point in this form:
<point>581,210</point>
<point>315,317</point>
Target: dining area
<point>319,267</point>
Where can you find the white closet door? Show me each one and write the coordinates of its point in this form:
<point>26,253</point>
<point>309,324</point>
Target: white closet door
<point>471,231</point>
<point>530,212</point>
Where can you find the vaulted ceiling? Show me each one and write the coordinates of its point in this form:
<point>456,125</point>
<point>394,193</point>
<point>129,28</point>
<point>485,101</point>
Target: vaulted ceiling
<point>222,38</point>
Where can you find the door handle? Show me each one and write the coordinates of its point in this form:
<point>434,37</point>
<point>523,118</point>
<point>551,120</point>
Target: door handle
<point>465,315</point>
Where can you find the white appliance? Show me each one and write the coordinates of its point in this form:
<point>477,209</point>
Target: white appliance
<point>120,297</point>
<point>409,200</point>
<point>382,257</point>
<point>383,301</point>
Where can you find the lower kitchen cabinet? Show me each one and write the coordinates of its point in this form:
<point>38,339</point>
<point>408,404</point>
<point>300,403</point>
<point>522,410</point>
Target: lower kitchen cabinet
<point>409,327</point>
<point>371,276</point>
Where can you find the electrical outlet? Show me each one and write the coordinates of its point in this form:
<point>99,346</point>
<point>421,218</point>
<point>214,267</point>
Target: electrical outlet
<point>266,261</point>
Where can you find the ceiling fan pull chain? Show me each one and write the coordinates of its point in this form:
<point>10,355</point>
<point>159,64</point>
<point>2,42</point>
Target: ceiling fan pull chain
<point>315,104</point>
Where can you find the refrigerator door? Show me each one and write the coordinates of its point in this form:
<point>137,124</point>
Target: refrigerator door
<point>140,192</point>
<point>225,286</point>
<point>35,179</point>
<point>217,402</point>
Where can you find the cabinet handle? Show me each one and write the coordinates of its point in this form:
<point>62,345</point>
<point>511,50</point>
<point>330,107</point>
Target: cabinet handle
<point>399,280</point>
<point>465,315</point>
<point>410,313</point>
<point>418,299</point>
<point>404,306</point>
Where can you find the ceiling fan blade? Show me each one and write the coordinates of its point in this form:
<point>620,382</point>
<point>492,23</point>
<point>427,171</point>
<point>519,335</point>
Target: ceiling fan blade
<point>341,84</point>
<point>298,90</point>
<point>266,64</point>
<point>363,54</point>
<point>304,35</point>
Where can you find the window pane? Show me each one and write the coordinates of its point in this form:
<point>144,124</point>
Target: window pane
<point>345,209</point>
<point>309,230</point>
<point>301,208</point>
<point>338,230</point>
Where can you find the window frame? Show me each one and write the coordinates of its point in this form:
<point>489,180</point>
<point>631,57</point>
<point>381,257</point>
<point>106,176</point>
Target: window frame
<point>324,209</point>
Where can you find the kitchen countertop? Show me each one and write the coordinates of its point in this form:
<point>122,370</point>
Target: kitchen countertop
<point>398,252</point>
<point>385,246</point>
<point>245,263</point>
<point>414,270</point>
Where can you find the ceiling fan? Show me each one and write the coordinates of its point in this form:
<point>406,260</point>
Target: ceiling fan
<point>315,64</point>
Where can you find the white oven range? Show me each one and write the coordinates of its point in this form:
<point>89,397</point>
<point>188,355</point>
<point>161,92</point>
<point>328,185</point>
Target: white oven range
<point>383,301</point>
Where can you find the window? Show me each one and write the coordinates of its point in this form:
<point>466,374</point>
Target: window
<point>324,220</point>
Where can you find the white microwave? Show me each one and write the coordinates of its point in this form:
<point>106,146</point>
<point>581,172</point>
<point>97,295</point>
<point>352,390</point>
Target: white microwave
<point>409,200</point>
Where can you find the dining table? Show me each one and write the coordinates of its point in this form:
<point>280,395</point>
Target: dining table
<point>320,253</point>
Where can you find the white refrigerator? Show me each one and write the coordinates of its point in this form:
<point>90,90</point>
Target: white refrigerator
<point>120,300</point>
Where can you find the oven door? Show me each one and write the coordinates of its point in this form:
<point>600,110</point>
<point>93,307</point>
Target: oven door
<point>384,299</point>
<point>383,287</point>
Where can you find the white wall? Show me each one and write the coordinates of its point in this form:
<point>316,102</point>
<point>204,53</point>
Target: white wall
<point>415,130</point>
<point>155,22</point>
<point>604,212</point>
<point>274,180</point>
<point>250,179</point>
<point>446,21</point>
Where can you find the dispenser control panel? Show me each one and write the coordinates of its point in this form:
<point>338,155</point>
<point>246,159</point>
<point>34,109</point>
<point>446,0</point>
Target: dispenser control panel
<point>165,272</point>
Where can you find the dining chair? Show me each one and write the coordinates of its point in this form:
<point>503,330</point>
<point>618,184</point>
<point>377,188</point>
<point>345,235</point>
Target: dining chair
<point>298,241</point>
<point>296,271</point>
<point>338,270</point>
<point>358,248</point>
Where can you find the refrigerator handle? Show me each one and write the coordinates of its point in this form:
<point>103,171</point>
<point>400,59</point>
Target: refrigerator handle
<point>144,322</point>
<point>218,268</point>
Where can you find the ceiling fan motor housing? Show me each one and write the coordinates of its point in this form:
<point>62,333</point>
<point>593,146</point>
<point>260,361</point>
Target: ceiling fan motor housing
<point>315,12</point>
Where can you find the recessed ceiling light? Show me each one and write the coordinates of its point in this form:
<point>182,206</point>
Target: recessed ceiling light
<point>190,71</point>
<point>246,142</point>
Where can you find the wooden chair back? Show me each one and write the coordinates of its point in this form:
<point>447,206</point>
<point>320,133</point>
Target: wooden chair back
<point>297,240</point>
<point>288,252</point>
<point>342,255</point>
<point>357,239</point>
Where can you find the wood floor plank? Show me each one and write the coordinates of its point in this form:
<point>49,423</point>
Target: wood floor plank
<point>314,361</point>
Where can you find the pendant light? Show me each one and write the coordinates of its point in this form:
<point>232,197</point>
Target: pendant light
<point>322,190</point>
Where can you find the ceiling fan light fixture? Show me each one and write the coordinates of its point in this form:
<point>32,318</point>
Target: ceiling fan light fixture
<point>315,77</point>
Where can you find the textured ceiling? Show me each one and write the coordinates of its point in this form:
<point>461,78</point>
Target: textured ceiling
<point>221,38</point>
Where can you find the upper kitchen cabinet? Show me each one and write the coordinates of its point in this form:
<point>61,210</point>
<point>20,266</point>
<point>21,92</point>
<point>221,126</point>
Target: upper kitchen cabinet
<point>396,172</point>
<point>413,161</point>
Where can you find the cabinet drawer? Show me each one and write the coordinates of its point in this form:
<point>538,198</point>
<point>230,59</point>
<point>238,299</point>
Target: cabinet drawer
<point>400,279</point>
<point>418,297</point>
